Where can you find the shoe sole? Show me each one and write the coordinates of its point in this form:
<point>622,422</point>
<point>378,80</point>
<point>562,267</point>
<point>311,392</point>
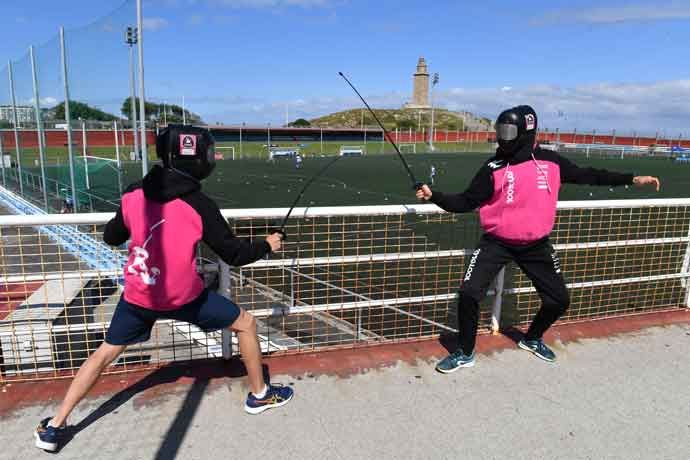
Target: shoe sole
<point>450,371</point>
<point>542,357</point>
<point>260,409</point>
<point>49,446</point>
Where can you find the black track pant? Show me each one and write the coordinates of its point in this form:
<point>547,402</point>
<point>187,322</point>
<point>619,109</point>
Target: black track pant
<point>539,262</point>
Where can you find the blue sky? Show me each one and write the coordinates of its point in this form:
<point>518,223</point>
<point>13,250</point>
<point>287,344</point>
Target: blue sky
<point>584,64</point>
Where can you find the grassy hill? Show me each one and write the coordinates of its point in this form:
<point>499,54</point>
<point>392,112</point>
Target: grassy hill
<point>402,119</point>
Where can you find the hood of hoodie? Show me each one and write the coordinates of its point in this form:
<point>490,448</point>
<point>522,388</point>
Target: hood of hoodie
<point>164,184</point>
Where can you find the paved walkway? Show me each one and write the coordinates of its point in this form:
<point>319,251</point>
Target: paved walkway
<point>621,397</point>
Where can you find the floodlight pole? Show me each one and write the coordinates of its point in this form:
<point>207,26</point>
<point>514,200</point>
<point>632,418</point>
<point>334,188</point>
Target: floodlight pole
<point>434,82</point>
<point>39,128</point>
<point>142,95</point>
<point>131,40</point>
<point>15,120</point>
<point>68,119</point>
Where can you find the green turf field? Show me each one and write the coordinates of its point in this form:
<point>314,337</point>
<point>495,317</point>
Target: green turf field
<point>377,179</point>
<point>258,150</point>
<point>381,179</point>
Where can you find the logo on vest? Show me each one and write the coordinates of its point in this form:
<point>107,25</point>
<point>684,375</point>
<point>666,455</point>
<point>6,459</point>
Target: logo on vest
<point>138,267</point>
<point>510,195</point>
<point>543,177</point>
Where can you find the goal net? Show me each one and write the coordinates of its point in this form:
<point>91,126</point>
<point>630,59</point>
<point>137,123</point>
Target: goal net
<point>408,148</point>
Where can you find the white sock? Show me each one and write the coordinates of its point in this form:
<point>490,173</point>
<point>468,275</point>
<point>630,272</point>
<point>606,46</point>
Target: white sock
<point>262,393</point>
<point>51,423</point>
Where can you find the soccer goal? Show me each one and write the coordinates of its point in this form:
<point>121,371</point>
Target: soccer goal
<point>408,148</point>
<point>225,152</point>
<point>351,151</point>
<point>283,152</point>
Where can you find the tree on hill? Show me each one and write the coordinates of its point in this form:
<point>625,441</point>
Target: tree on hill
<point>300,123</point>
<point>161,112</point>
<point>79,110</point>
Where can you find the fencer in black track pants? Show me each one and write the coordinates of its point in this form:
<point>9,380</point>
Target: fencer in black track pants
<point>516,194</point>
<point>537,260</point>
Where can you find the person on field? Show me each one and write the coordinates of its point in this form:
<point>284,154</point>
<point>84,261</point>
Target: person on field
<point>516,192</point>
<point>67,205</point>
<point>164,218</point>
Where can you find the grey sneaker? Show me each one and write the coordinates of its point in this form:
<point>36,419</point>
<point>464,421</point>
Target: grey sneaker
<point>455,361</point>
<point>538,348</point>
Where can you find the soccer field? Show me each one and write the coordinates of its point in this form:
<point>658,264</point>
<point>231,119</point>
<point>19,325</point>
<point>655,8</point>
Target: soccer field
<point>373,180</point>
<point>381,179</point>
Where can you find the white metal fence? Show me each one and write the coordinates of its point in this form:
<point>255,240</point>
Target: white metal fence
<point>348,276</point>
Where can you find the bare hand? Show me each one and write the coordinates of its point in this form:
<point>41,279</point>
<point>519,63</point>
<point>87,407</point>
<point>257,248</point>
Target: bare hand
<point>424,193</point>
<point>275,240</point>
<point>647,180</point>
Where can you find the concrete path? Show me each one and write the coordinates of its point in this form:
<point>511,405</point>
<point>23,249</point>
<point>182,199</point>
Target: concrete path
<point>622,397</point>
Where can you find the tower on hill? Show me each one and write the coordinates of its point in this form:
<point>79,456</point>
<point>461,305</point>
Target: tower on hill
<point>420,95</point>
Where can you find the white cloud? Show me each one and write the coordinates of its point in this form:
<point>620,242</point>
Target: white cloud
<point>155,24</point>
<point>46,102</point>
<point>629,13</point>
<point>644,107</point>
<point>602,105</point>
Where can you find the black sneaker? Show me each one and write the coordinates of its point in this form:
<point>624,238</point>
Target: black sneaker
<point>538,348</point>
<point>48,437</point>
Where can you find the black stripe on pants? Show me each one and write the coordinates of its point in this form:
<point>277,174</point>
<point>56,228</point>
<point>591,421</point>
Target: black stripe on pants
<point>540,263</point>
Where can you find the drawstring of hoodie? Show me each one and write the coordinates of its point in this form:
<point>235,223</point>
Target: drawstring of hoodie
<point>546,178</point>
<point>505,176</point>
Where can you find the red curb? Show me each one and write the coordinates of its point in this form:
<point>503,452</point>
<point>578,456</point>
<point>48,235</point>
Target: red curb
<point>147,385</point>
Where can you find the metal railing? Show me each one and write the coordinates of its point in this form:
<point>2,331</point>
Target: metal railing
<point>348,276</point>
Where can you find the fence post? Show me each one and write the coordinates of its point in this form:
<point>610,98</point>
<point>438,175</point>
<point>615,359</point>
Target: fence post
<point>498,302</point>
<point>68,119</point>
<point>226,291</point>
<point>86,161</point>
<point>241,154</point>
<point>39,129</point>
<point>15,120</point>
<point>685,270</point>
<point>2,162</point>
<point>119,165</point>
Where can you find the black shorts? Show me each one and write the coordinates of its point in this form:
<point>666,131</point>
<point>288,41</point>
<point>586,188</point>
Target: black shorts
<point>132,324</point>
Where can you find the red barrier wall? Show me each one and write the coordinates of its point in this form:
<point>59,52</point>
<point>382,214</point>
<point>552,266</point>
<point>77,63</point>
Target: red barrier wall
<point>58,138</point>
<point>105,138</point>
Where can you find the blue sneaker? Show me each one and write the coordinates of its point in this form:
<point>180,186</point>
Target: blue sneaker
<point>276,396</point>
<point>538,348</point>
<point>48,437</point>
<point>455,361</point>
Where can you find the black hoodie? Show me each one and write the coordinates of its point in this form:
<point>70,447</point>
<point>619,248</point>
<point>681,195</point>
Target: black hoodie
<point>163,185</point>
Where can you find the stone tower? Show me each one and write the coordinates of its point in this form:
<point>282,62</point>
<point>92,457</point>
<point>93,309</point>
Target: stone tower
<point>420,95</point>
